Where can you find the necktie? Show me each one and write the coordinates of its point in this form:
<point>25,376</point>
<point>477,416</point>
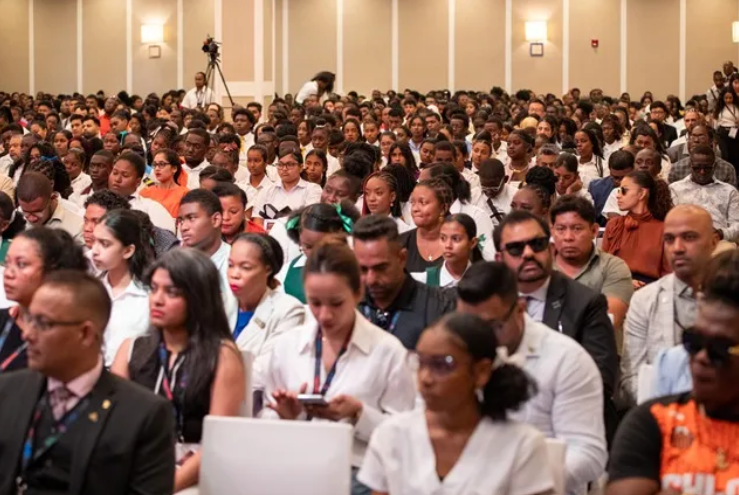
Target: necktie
<point>58,400</point>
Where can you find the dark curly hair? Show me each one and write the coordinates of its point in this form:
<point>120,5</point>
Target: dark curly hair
<point>442,190</point>
<point>660,199</point>
<point>543,177</point>
<point>57,248</point>
<point>321,217</point>
<point>53,168</point>
<point>509,387</point>
<point>449,173</point>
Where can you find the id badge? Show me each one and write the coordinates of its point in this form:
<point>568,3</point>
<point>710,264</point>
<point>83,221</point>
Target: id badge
<point>733,132</point>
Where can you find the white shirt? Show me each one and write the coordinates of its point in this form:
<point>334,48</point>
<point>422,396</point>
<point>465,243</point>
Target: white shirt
<point>302,194</point>
<point>569,404</point>
<point>158,214</point>
<point>537,301</point>
<point>198,98</point>
<point>728,117</point>
<point>220,259</point>
<point>589,171</point>
<point>609,149</point>
<point>129,317</point>
<point>374,370</point>
<point>611,205</point>
<point>253,192</point>
<point>502,202</point>
<point>247,141</point>
<point>472,178</point>
<point>81,182</point>
<point>500,458</point>
<point>446,280</point>
<point>5,163</point>
<point>582,193</point>
<point>333,165</point>
<point>193,174</point>
<point>308,89</point>
<point>484,226</point>
<point>276,314</point>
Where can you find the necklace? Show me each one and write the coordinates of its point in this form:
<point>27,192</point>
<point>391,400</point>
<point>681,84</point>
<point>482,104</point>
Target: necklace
<point>722,455</point>
<point>519,170</point>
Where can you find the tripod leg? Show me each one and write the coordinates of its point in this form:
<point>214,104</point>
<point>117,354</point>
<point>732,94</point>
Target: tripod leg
<point>223,79</point>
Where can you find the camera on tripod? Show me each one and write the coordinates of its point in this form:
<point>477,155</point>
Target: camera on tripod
<point>210,47</point>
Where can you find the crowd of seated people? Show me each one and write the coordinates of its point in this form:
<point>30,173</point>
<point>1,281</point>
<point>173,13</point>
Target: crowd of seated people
<point>459,275</point>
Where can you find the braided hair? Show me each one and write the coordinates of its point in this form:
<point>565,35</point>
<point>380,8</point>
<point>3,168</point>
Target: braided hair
<point>392,184</point>
<point>442,190</point>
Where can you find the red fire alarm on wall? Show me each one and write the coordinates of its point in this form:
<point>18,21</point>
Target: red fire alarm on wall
<point>594,43</point>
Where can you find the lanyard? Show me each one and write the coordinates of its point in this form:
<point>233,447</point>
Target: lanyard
<point>393,323</point>
<point>317,389</point>
<point>496,212</point>
<point>3,337</point>
<point>62,426</point>
<point>166,378</point>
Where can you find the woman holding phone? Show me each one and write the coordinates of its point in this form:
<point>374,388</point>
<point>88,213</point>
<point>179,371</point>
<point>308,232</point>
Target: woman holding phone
<point>358,371</point>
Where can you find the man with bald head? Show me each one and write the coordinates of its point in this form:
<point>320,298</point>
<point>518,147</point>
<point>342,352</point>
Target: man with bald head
<point>720,199</point>
<point>702,135</point>
<point>661,311</point>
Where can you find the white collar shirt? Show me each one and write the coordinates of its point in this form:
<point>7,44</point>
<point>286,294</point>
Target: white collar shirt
<point>401,460</point>
<point>501,202</point>
<point>253,192</point>
<point>220,260</point>
<point>304,193</point>
<point>193,174</point>
<point>247,141</point>
<point>537,301</point>
<point>158,214</point>
<point>129,317</point>
<point>81,182</point>
<point>373,370</point>
<point>198,98</point>
<point>569,402</point>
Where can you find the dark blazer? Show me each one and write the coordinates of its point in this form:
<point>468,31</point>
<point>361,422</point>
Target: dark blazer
<point>582,314</point>
<point>128,448</point>
<point>670,134</point>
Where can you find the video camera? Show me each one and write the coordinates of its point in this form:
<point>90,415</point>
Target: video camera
<point>210,46</point>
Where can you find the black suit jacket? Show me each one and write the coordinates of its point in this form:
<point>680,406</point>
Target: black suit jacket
<point>582,314</point>
<point>670,134</point>
<point>127,448</point>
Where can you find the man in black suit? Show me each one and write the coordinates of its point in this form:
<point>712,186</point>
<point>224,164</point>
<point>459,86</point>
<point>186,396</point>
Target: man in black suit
<point>522,242</point>
<point>394,300</point>
<point>69,426</point>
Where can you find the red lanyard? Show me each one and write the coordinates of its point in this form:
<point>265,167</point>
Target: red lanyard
<point>3,337</point>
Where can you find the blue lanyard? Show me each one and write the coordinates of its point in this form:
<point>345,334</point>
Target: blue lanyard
<point>393,323</point>
<point>3,337</point>
<point>169,390</point>
<point>62,427</point>
<point>317,388</point>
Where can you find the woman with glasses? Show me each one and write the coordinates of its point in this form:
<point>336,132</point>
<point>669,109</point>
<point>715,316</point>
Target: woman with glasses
<point>172,182</point>
<point>453,444</point>
<point>32,255</point>
<point>357,371</point>
<point>189,357</point>
<point>636,237</point>
<point>289,193</point>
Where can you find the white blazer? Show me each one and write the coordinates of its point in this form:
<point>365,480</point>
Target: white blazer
<point>276,313</point>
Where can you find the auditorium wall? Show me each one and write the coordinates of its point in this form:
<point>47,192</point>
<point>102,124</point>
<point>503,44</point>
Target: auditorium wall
<point>273,46</point>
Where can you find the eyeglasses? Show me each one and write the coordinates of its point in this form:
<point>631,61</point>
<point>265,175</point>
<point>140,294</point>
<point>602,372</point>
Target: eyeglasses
<point>438,365</point>
<point>160,164</point>
<point>701,167</point>
<point>537,244</point>
<point>43,324</point>
<point>494,188</point>
<point>719,350</point>
<point>624,190</point>
<point>287,165</point>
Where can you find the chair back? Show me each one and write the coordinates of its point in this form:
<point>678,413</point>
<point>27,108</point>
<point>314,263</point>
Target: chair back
<point>556,450</point>
<point>645,383</point>
<point>247,408</point>
<point>244,456</point>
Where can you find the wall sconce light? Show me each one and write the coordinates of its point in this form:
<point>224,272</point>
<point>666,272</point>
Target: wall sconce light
<point>153,35</point>
<point>536,31</point>
<point>735,31</point>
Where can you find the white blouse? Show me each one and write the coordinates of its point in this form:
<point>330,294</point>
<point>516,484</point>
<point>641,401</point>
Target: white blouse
<point>374,370</point>
<point>401,460</point>
<point>728,117</point>
<point>129,317</point>
<point>304,193</point>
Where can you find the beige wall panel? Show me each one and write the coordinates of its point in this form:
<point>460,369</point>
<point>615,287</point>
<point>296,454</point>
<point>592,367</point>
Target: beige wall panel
<point>154,74</point>
<point>479,44</point>
<point>708,41</point>
<point>652,56</point>
<point>55,38</point>
<point>278,47</point>
<point>539,74</point>
<point>14,62</point>
<point>198,20</point>
<point>423,44</point>
<point>267,40</point>
<point>312,40</point>
<point>238,40</point>
<point>367,45</point>
<point>104,64</point>
<point>595,67</point>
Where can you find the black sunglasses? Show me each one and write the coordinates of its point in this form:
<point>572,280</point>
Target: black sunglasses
<point>537,244</point>
<point>719,350</point>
